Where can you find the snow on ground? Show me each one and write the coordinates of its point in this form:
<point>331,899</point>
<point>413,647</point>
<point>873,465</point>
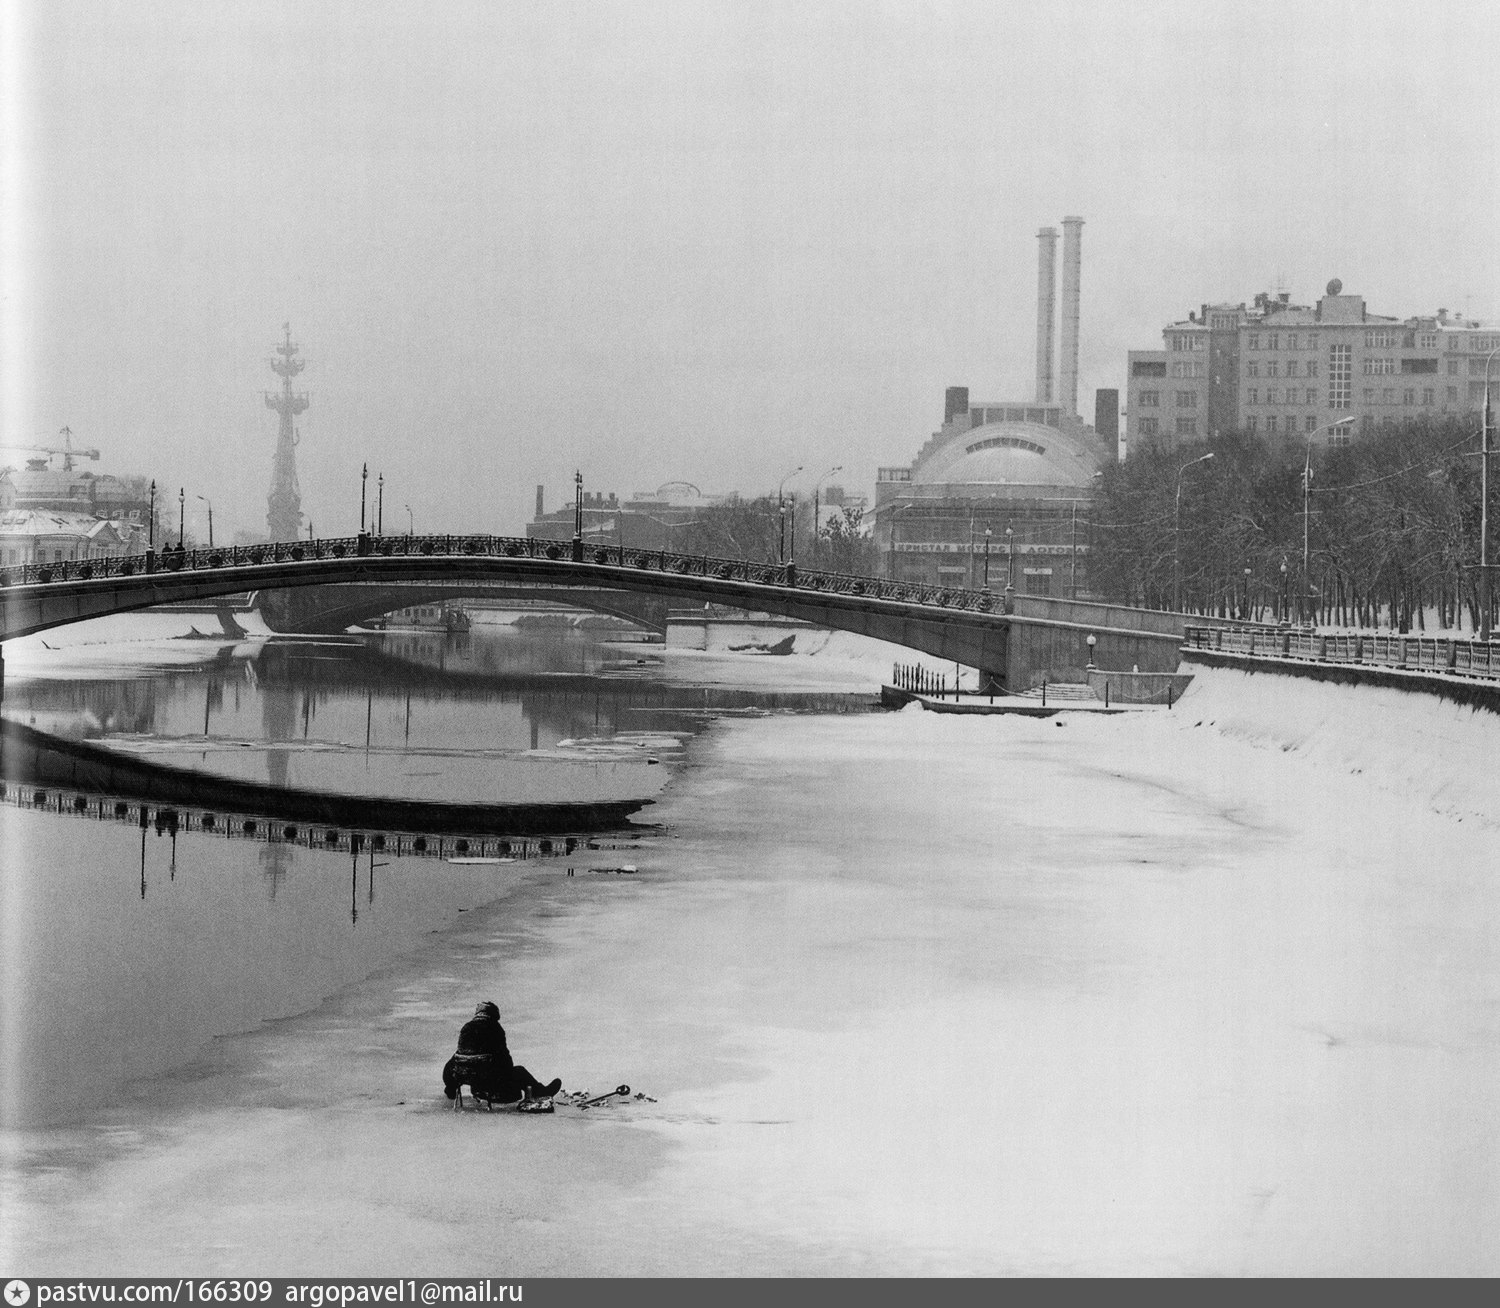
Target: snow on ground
<point>1155,993</point>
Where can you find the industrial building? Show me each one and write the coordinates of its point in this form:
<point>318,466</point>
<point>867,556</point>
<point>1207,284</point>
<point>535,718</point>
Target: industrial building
<point>1298,374</point>
<point>998,497</point>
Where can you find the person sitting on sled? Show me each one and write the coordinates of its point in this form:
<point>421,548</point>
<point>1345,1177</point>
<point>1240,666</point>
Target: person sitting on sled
<point>483,1063</point>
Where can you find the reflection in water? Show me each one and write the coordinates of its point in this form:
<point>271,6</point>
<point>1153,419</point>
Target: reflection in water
<point>115,967</point>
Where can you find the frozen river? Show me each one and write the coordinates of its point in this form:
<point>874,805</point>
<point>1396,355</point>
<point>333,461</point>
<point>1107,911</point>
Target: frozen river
<point>1156,993</point>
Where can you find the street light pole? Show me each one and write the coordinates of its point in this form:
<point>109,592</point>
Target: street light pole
<point>781,514</point>
<point>210,504</point>
<point>987,559</point>
<point>1305,595</point>
<point>1177,533</point>
<point>817,526</point>
<point>151,515</point>
<point>181,515</point>
<point>380,508</point>
<point>1484,505</point>
<point>1010,562</point>
<point>409,532</point>
<point>364,476</point>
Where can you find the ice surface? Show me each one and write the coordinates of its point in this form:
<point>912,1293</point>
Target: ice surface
<point>1214,991</point>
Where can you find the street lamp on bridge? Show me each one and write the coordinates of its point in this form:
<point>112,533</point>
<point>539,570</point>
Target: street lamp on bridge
<point>1484,504</point>
<point>181,515</point>
<point>781,515</point>
<point>407,507</point>
<point>1177,533</point>
<point>817,526</point>
<point>987,534</point>
<point>1010,565</point>
<point>210,504</point>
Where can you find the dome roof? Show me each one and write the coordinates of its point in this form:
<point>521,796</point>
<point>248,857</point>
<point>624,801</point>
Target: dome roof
<point>1010,454</point>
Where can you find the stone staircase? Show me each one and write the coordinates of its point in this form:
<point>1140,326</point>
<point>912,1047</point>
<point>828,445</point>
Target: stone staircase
<point>1063,692</point>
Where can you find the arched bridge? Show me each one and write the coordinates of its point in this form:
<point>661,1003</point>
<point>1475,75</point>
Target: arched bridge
<point>961,626</point>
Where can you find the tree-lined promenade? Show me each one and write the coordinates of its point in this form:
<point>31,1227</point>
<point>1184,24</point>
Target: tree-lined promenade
<point>1389,532</point>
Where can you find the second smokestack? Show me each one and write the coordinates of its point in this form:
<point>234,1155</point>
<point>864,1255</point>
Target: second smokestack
<point>1046,293</point>
<point>1067,390</point>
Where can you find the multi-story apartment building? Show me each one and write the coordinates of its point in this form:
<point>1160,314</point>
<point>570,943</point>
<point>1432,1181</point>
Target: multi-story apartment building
<point>1296,373</point>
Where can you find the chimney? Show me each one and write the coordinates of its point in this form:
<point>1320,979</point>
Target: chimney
<point>538,504</point>
<point>1067,381</point>
<point>1046,292</point>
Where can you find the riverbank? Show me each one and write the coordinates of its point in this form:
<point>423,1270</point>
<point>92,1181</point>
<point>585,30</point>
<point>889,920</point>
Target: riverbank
<point>1163,993</point>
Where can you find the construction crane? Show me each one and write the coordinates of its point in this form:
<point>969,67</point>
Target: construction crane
<point>65,449</point>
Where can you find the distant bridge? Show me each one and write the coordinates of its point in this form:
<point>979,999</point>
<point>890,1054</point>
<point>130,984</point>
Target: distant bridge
<point>962,626</point>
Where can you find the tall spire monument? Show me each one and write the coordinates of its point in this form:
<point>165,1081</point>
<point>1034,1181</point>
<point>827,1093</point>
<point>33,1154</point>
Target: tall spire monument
<point>284,507</point>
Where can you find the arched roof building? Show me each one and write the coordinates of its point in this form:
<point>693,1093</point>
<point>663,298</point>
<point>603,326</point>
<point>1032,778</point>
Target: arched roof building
<point>1024,472</point>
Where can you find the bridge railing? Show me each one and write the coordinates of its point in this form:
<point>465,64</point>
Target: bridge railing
<point>1443,654</point>
<point>513,547</point>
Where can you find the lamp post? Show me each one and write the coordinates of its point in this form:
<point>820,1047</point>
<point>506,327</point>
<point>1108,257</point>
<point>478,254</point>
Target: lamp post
<point>817,525</point>
<point>380,507</point>
<point>181,515</point>
<point>578,515</point>
<point>364,476</point>
<point>1245,607</point>
<point>987,534</point>
<point>409,532</point>
<point>1306,590</point>
<point>1010,560</point>
<point>1093,640</point>
<point>781,515</point>
<point>1484,504</point>
<point>210,504</point>
<point>151,519</point>
<point>1284,605</point>
<point>1177,533</point>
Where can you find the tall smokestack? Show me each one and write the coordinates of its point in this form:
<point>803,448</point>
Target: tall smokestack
<point>1067,385</point>
<point>1046,291</point>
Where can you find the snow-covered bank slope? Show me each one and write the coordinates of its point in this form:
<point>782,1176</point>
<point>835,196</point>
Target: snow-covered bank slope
<point>1416,745</point>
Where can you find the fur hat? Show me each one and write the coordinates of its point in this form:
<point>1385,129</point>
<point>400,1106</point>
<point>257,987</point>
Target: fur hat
<point>488,1009</point>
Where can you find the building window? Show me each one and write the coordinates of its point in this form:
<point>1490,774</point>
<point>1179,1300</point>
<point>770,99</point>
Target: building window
<point>1273,341</point>
<point>1146,427</point>
<point>1382,339</point>
<point>1038,582</point>
<point>1340,375</point>
<point>1291,340</point>
<point>1312,367</point>
<point>1379,367</point>
<point>1453,395</point>
<point>1419,365</point>
<point>1151,399</point>
<point>1453,367</point>
<point>1148,368</point>
<point>1271,424</point>
<point>1190,368</point>
<point>1409,395</point>
<point>1312,394</point>
<point>1187,426</point>
<point>1251,423</point>
<point>1312,340</point>
<point>1252,396</point>
<point>1223,322</point>
<point>1370,394</point>
<point>1427,341</point>
<point>1476,367</point>
<point>1252,341</point>
<point>1184,341</point>
<point>1428,396</point>
<point>1187,399</point>
<point>1310,423</point>
<point>1339,439</point>
<point>1291,367</point>
<point>1252,369</point>
<point>1388,395</point>
<point>1273,396</point>
<point>1271,368</point>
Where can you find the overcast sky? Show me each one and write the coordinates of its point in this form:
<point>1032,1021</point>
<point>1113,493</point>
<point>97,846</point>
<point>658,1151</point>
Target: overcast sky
<point>680,241</point>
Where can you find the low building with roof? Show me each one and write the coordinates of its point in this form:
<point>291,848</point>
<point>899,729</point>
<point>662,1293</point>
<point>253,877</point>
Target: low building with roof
<point>52,536</point>
<point>998,498</point>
